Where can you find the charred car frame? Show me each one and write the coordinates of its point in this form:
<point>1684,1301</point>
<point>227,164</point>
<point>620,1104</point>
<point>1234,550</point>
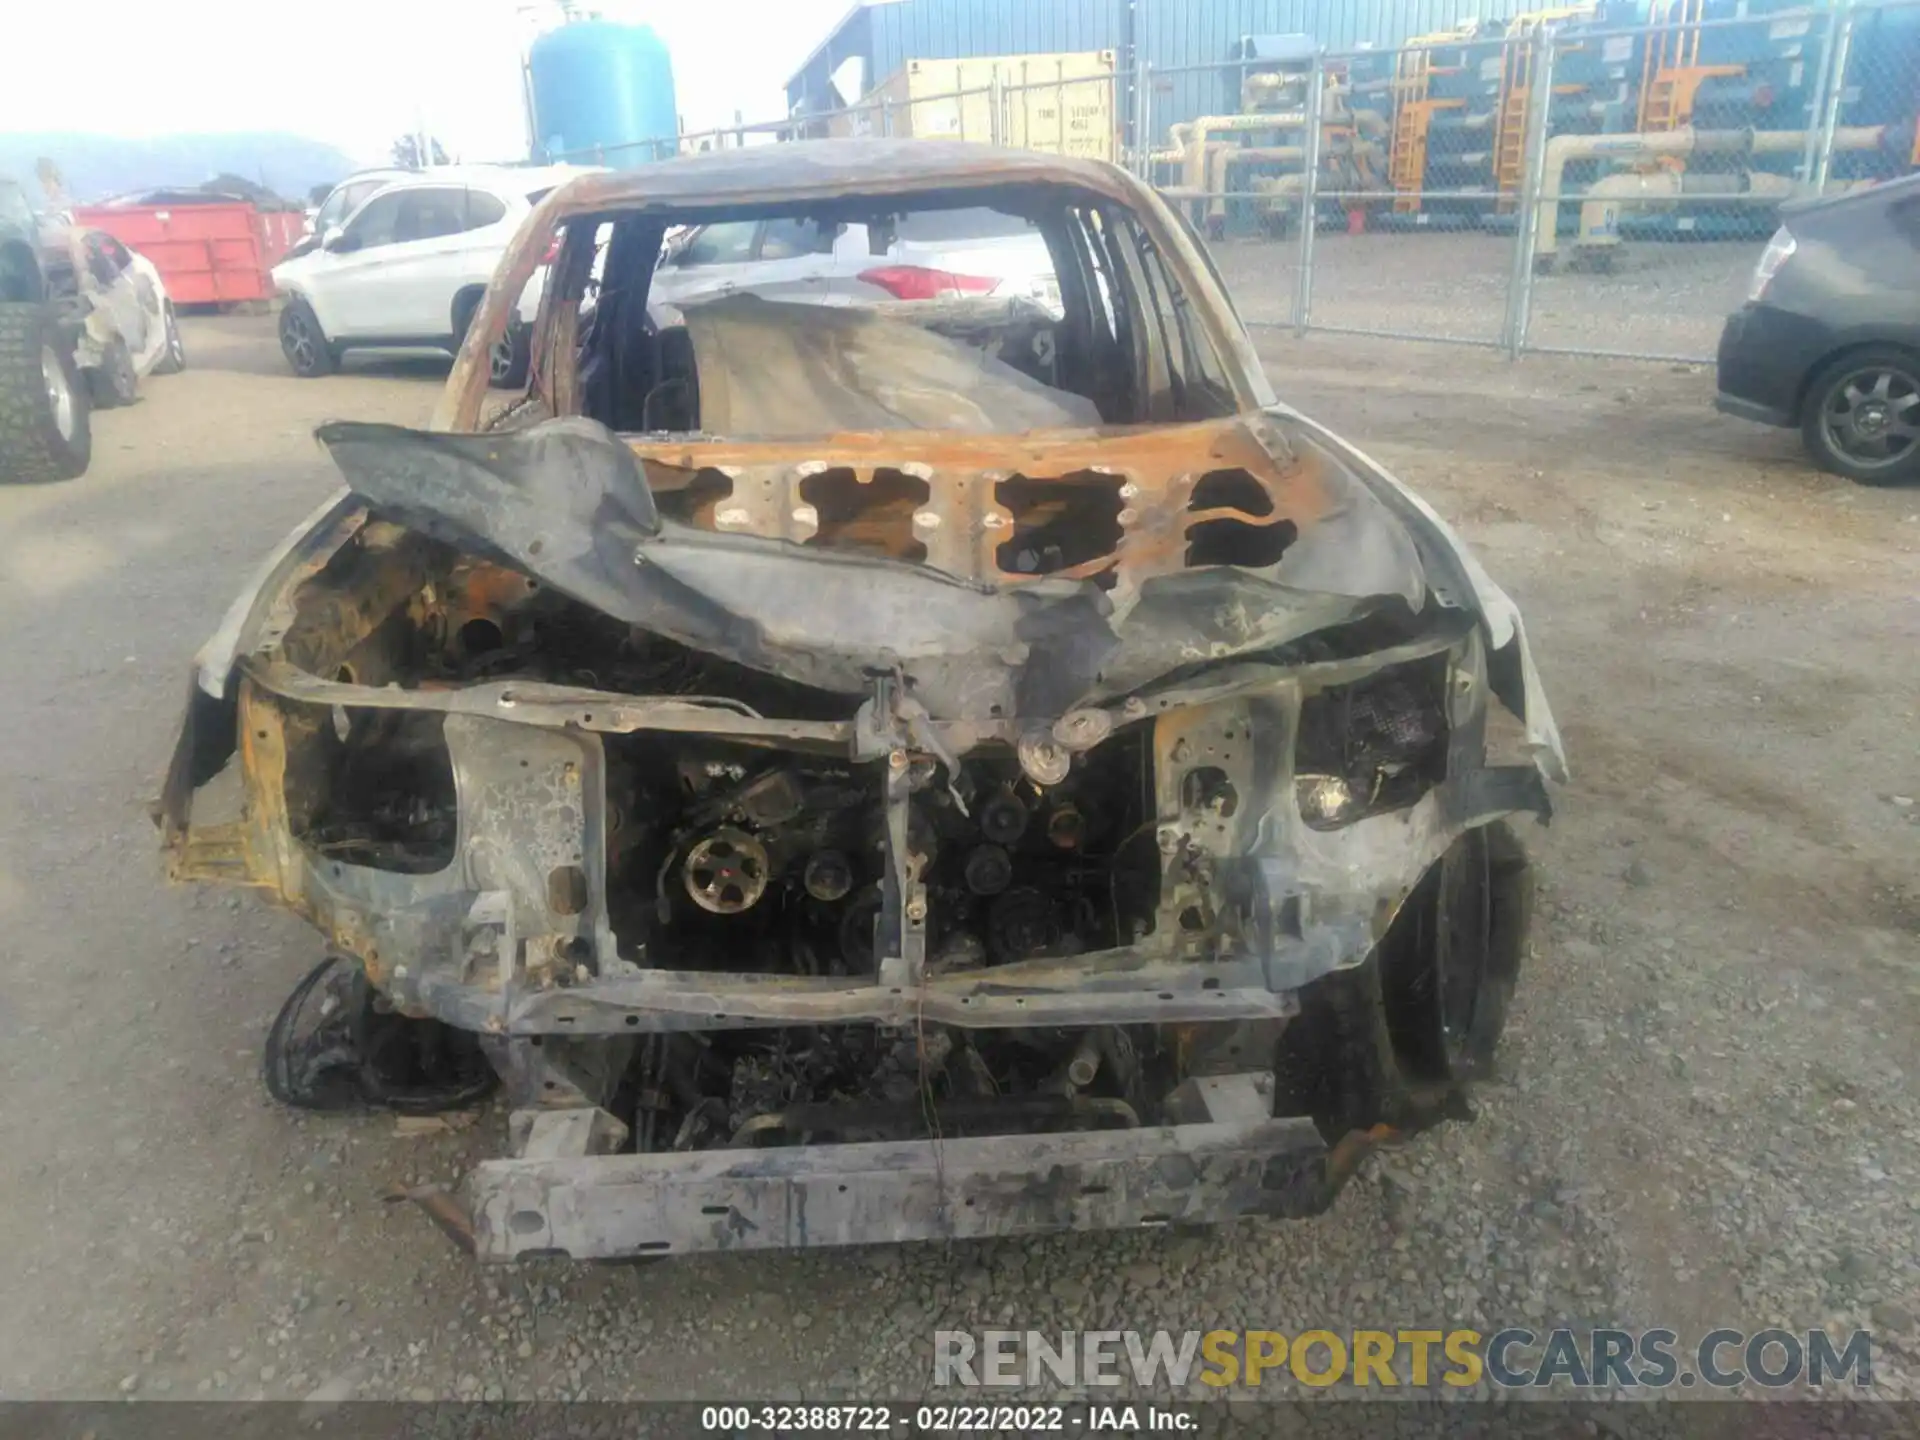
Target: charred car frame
<point>875,773</point>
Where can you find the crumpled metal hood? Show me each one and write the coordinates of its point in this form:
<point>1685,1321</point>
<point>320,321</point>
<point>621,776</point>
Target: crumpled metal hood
<point>568,501</point>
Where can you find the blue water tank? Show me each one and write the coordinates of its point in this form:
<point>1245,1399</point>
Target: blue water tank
<point>599,92</point>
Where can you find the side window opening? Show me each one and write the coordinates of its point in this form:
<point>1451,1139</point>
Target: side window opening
<point>379,222</point>
<point>1197,382</point>
<point>106,257</point>
<point>1206,256</point>
<point>1107,332</point>
<point>1132,348</point>
<point>483,210</point>
<point>430,213</point>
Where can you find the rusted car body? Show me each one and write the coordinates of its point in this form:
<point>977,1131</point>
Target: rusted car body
<point>851,806</point>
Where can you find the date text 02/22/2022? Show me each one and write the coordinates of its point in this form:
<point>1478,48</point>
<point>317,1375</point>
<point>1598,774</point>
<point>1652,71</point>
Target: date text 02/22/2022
<point>944,1419</point>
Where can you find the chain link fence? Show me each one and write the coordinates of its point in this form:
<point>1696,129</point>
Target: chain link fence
<point>1560,182</point>
<point>1596,179</point>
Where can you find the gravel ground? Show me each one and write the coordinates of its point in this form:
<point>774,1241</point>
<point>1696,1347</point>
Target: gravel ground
<point>1708,1114</point>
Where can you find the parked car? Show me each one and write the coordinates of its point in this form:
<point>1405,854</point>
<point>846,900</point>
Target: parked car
<point>927,255</point>
<point>128,328</point>
<point>1828,341</point>
<point>878,771</point>
<point>407,266</point>
<point>45,428</point>
<point>345,198</point>
<point>361,186</point>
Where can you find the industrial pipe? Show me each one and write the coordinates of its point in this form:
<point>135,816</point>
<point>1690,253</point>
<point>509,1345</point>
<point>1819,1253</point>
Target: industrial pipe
<point>1176,150</point>
<point>1223,157</point>
<point>1194,176</point>
<point>1186,192</point>
<point>1599,223</point>
<point>1649,144</point>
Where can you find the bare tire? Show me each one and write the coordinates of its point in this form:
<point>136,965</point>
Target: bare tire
<point>303,342</point>
<point>45,420</point>
<point>1397,1041</point>
<point>1861,418</point>
<point>173,354</point>
<point>113,382</point>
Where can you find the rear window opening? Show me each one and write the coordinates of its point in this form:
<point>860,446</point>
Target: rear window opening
<point>1059,524</point>
<point>973,223</point>
<point>1031,307</point>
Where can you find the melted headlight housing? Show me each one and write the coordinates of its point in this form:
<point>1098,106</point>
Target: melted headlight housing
<point>1376,745</point>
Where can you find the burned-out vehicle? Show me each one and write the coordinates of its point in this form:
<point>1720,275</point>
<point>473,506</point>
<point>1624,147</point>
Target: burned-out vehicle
<point>949,767</point>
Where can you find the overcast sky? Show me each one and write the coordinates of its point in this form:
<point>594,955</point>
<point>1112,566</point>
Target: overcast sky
<point>352,71</point>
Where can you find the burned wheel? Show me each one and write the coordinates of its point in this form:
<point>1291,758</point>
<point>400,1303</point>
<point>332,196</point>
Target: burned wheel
<point>1397,1040</point>
<point>114,382</point>
<point>1861,418</point>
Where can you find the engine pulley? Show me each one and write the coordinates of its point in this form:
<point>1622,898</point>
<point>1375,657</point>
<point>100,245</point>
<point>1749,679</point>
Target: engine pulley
<point>726,873</point>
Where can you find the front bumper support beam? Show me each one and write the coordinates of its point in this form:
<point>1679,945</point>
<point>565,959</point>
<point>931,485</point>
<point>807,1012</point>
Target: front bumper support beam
<point>811,1196</point>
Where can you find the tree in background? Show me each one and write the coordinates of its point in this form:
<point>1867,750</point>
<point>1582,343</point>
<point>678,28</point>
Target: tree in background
<point>406,153</point>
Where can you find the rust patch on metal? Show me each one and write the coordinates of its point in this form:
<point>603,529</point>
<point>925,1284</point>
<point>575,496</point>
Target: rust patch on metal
<point>983,491</point>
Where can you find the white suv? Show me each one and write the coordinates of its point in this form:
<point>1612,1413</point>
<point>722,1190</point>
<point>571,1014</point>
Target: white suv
<point>408,267</point>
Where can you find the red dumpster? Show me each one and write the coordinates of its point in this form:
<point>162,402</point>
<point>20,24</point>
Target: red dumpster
<point>207,254</point>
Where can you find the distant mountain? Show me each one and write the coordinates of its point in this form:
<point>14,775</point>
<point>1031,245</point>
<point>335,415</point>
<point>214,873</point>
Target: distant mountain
<point>96,166</point>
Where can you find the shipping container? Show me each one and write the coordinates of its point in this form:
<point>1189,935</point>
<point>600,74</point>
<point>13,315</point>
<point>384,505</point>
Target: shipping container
<point>1058,104</point>
<point>878,37</point>
<point>217,253</point>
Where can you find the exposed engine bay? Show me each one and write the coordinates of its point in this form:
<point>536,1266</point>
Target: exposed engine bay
<point>712,906</point>
<point>1058,797</point>
<point>964,869</point>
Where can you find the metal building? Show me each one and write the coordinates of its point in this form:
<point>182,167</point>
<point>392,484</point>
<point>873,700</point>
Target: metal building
<point>878,37</point>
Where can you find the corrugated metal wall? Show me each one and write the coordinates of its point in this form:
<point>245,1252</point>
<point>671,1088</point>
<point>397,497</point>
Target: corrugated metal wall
<point>1197,32</point>
<point>952,29</point>
<point>1164,33</point>
<point>811,88</point>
